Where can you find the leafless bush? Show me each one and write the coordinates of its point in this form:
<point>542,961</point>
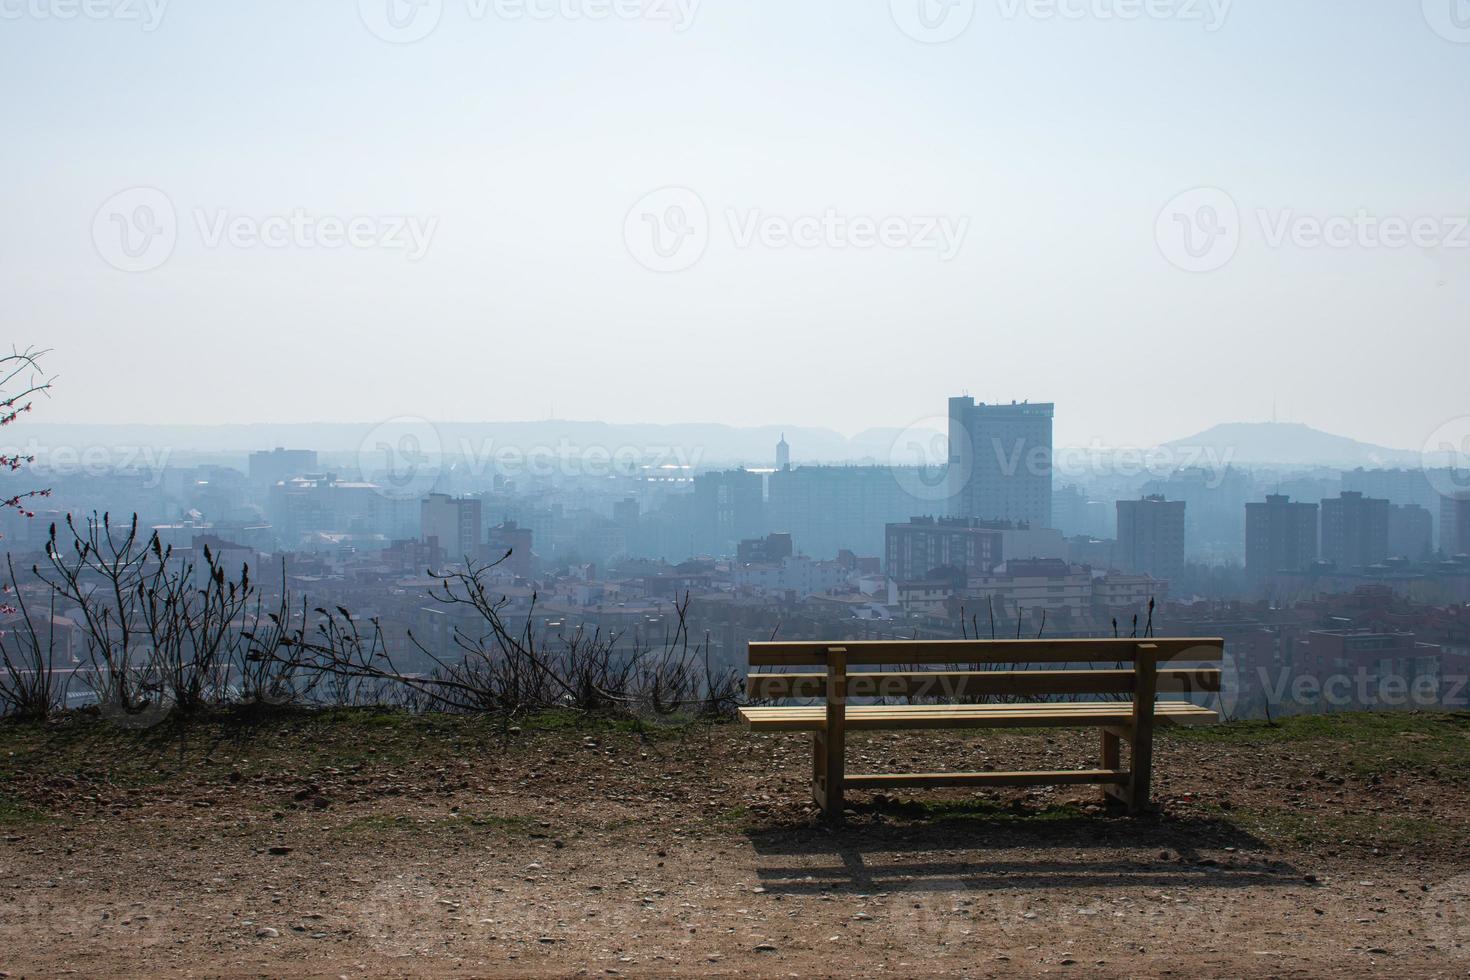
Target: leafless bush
<point>100,569</point>
<point>30,686</point>
<point>511,669</point>
<point>162,632</point>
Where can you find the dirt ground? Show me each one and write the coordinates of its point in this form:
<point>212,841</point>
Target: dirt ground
<point>359,844</point>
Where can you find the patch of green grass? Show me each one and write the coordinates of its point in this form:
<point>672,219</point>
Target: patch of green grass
<point>668,727</point>
<point>1284,826</point>
<point>379,823</point>
<point>1366,743</point>
<point>1342,726</point>
<point>15,814</point>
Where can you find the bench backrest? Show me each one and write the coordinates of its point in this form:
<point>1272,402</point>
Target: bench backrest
<point>977,667</point>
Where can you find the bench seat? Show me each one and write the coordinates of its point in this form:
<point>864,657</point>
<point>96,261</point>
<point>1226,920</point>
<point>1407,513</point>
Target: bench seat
<point>875,717</point>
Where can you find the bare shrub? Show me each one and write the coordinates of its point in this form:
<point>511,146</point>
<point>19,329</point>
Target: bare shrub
<point>30,685</point>
<point>510,669</point>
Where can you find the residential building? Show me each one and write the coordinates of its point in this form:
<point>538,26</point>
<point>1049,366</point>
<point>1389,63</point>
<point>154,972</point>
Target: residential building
<point>1410,532</point>
<point>452,524</point>
<point>1280,536</point>
<point>1354,530</point>
<point>1000,461</point>
<point>915,548</point>
<point>728,508</point>
<point>771,548</point>
<point>1151,537</point>
<point>1454,524</point>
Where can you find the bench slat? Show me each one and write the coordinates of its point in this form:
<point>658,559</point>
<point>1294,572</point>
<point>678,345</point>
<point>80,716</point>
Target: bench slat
<point>958,684</point>
<point>1118,714</point>
<point>1065,777</point>
<point>1090,650</point>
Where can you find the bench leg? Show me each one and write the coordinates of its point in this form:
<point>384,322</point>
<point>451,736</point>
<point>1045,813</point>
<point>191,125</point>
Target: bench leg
<point>819,769</point>
<point>827,775</point>
<point>834,766</point>
<point>1141,766</point>
<point>1140,773</point>
<point>1111,758</point>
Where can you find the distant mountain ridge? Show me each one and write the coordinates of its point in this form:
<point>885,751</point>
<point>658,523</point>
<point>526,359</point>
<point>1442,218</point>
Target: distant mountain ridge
<point>1292,443</point>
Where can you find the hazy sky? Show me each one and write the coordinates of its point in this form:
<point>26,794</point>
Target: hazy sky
<point>500,166</point>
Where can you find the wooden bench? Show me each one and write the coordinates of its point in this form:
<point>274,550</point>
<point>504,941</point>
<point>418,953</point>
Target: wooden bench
<point>972,669</point>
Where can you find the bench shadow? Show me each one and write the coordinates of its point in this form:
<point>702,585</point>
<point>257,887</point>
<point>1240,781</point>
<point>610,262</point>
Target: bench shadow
<point>989,850</point>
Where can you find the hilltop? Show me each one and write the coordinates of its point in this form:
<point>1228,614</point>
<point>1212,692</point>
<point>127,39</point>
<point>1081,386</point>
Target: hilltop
<point>1291,443</point>
<point>355,843</point>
